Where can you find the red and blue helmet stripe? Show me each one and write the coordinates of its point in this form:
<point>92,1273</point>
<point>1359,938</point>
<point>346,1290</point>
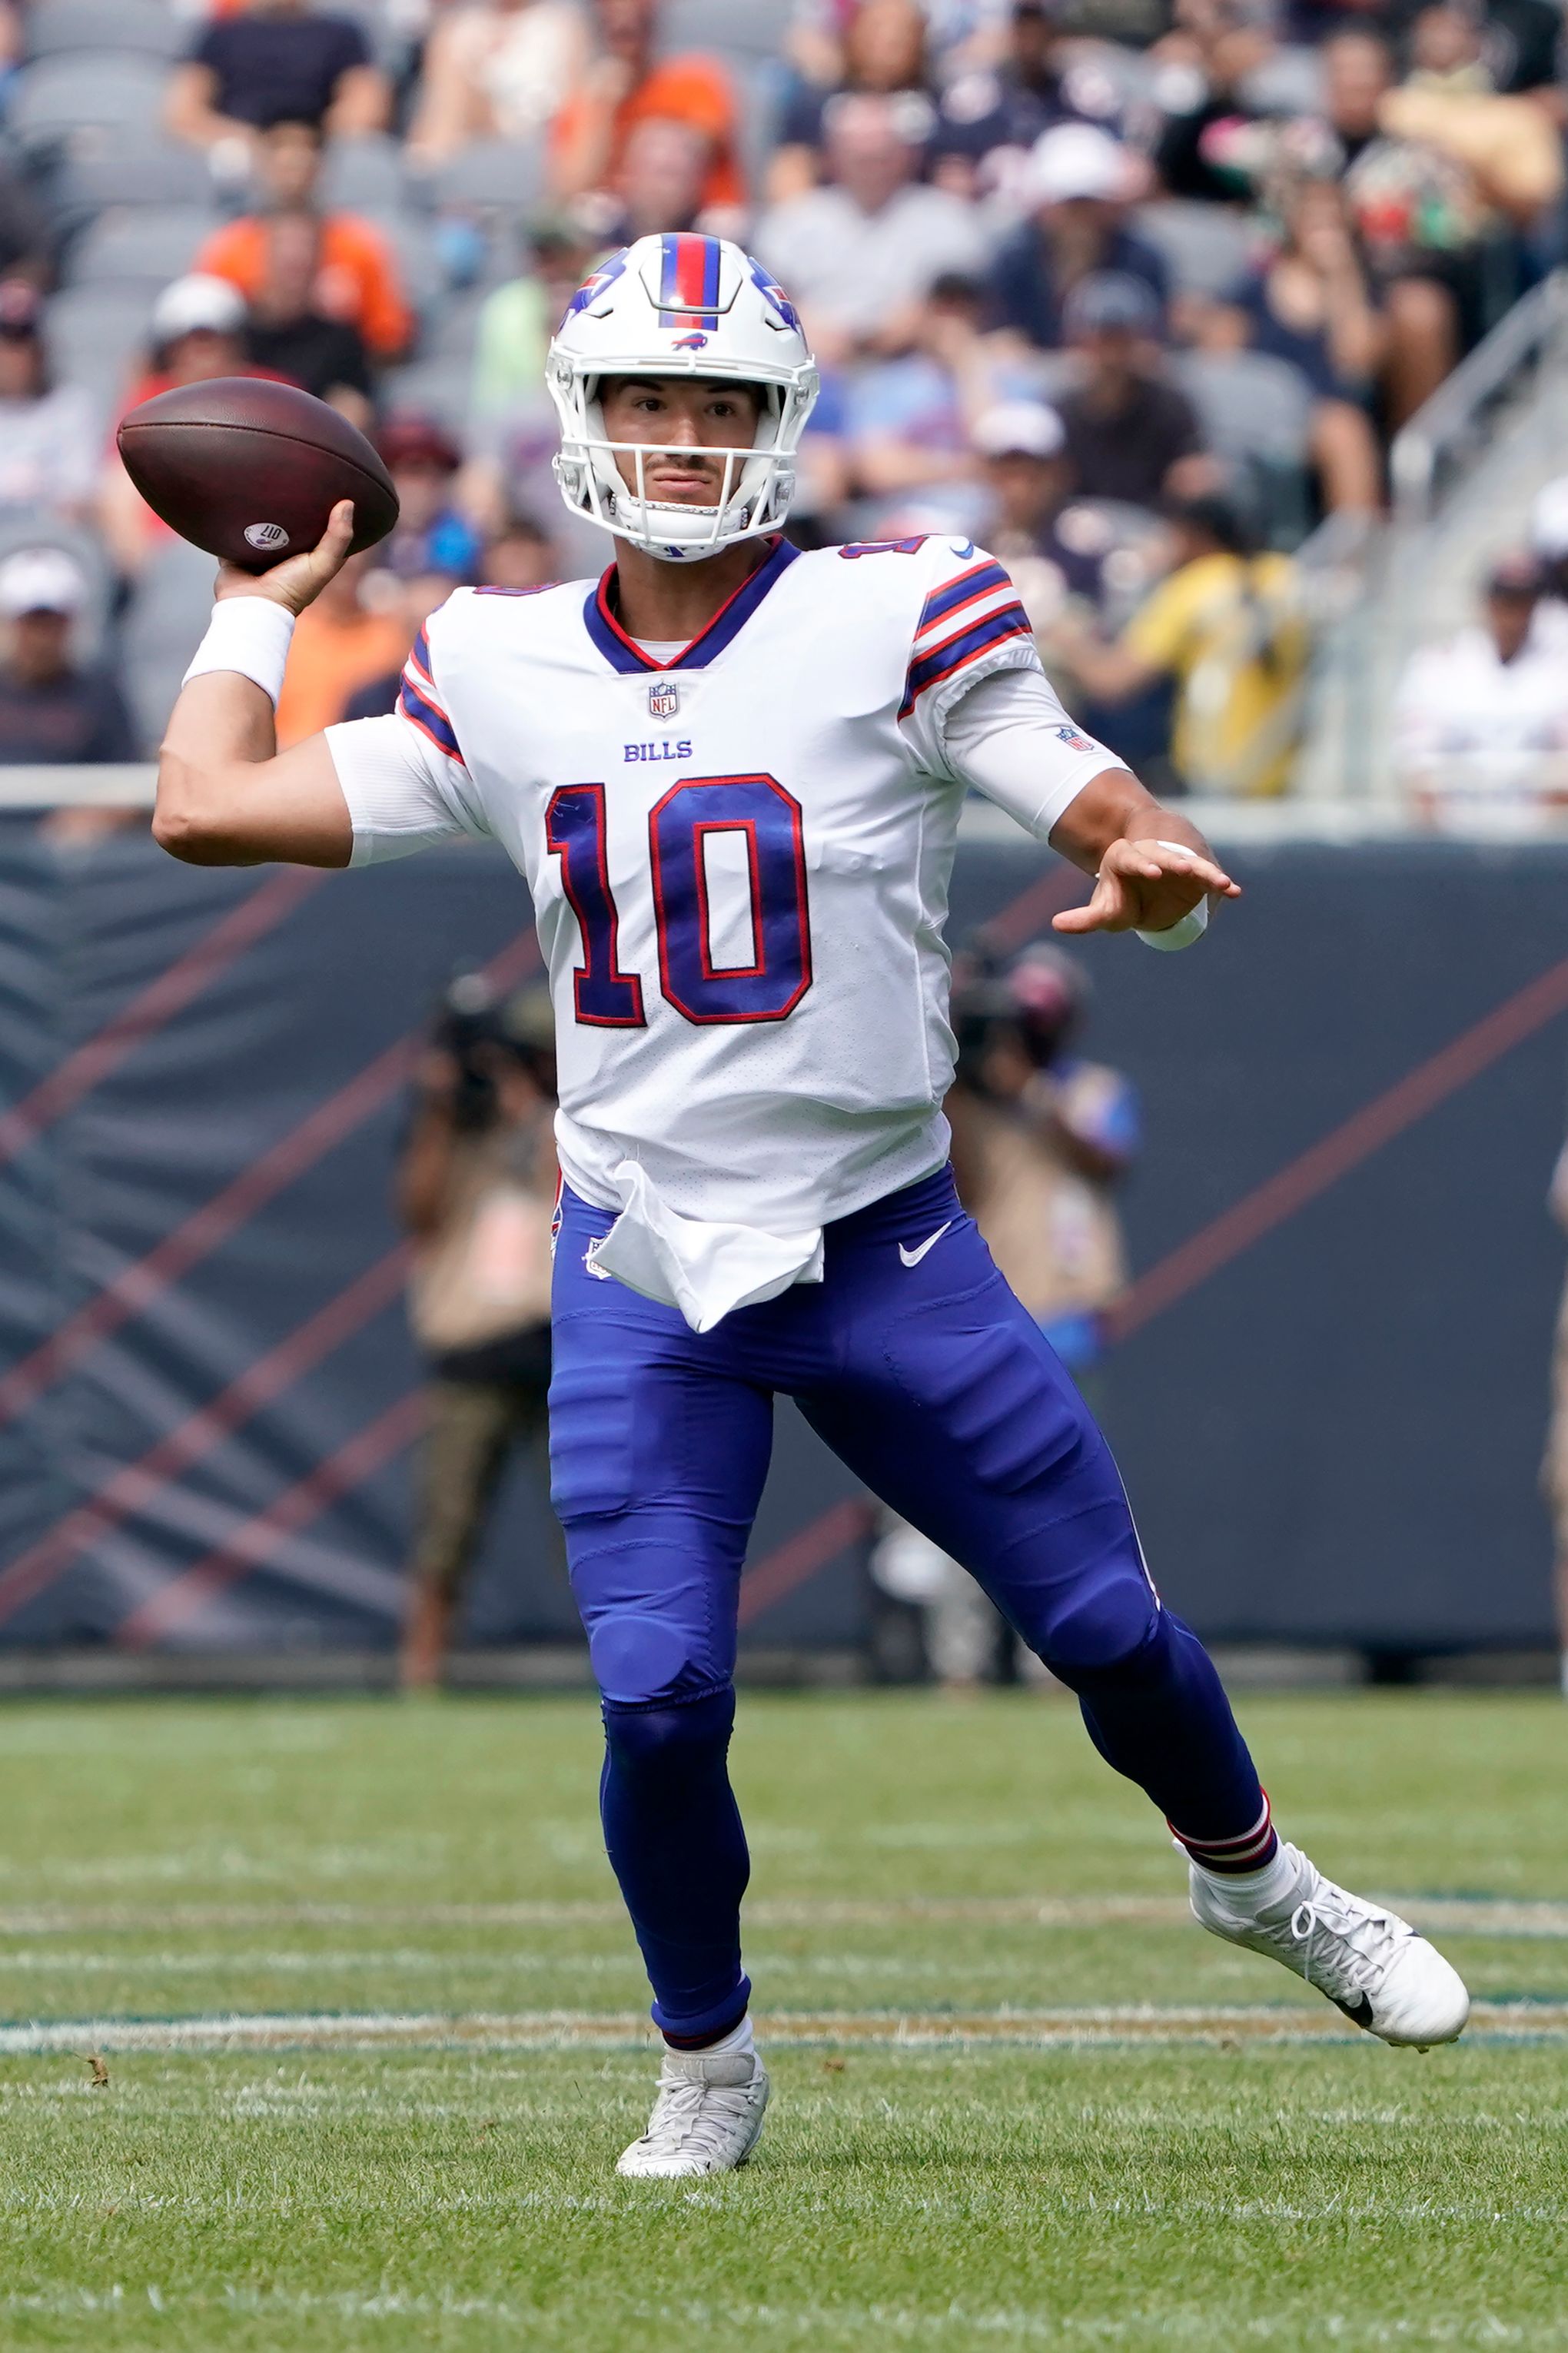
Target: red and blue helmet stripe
<point>688,281</point>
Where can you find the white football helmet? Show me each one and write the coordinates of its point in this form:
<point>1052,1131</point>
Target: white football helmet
<point>680,305</point>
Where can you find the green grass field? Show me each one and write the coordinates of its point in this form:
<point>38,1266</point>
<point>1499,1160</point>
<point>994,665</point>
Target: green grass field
<point>1019,2100</point>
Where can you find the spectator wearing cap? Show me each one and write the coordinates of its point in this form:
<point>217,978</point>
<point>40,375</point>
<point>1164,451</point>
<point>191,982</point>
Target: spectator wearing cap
<point>884,54</point>
<point>990,119</point>
<point>430,534</point>
<point>1481,719</point>
<point>197,331</point>
<point>276,61</point>
<point>859,254</point>
<point>48,454</point>
<point>1130,435</point>
<point>1027,476</point>
<point>53,711</point>
<point>354,276</point>
<point>626,83</point>
<point>1226,627</point>
<point>1078,184</point>
<point>498,70</point>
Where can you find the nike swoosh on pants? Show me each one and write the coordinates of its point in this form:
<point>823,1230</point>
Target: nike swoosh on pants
<point>913,1256</point>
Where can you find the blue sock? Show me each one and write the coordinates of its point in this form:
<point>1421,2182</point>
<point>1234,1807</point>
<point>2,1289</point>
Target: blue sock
<point>673,1834</point>
<point>1161,1716</point>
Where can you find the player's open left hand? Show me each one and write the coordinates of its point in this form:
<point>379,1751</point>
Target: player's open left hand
<point>298,580</point>
<point>1147,886</point>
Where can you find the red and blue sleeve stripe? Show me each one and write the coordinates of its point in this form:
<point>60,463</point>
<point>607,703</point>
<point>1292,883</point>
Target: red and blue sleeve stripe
<point>417,702</point>
<point>980,580</point>
<point>956,652</point>
<point>688,281</point>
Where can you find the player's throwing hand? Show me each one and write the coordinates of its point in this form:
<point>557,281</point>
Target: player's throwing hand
<point>300,580</point>
<point>1147,886</point>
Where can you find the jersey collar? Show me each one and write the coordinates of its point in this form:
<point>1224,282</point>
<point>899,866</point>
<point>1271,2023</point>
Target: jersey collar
<point>623,653</point>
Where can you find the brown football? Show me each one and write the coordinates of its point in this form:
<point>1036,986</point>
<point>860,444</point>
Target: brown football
<point>250,469</point>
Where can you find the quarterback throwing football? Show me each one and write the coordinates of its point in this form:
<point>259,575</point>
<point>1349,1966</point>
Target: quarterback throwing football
<point>732,774</point>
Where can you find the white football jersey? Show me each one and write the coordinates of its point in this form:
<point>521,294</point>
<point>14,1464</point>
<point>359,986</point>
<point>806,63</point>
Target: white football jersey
<point>739,856</point>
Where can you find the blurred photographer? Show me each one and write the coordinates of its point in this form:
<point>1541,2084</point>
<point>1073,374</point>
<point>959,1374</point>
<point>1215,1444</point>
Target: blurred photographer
<point>1041,1137</point>
<point>476,1189</point>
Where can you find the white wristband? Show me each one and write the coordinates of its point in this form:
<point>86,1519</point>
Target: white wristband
<point>247,634</point>
<point>1192,925</point>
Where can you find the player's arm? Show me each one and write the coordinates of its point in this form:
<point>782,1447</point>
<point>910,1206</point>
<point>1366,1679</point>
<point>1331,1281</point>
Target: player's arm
<point>1009,737</point>
<point>1152,865</point>
<point>226,797</point>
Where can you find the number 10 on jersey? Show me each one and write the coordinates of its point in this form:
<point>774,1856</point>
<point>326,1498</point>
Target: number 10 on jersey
<point>767,820</point>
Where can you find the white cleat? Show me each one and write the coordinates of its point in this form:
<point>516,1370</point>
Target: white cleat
<point>1369,1961</point>
<point>706,2118</point>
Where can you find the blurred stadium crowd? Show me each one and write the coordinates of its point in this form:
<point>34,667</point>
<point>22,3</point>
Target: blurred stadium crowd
<point>1135,292</point>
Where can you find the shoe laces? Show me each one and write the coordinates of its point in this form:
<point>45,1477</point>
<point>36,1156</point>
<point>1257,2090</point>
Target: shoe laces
<point>691,2115</point>
<point>1345,1940</point>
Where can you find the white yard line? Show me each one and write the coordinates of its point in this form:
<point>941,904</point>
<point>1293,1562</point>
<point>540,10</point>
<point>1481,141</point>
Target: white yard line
<point>1442,1914</point>
<point>549,2028</point>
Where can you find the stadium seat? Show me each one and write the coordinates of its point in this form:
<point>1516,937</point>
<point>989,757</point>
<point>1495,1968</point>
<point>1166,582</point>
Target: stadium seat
<point>414,242</point>
<point>162,628</point>
<point>1206,248</point>
<point>730,33</point>
<point>436,387</point>
<point>363,175</point>
<point>19,529</point>
<point>1250,402</point>
<point>101,169</point>
<point>61,97</point>
<point>141,244</point>
<point>1256,411</point>
<point>450,334</point>
<point>493,175</point>
<point>95,334</point>
<point>52,28</point>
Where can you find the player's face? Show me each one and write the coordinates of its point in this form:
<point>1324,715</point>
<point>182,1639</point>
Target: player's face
<point>679,423</point>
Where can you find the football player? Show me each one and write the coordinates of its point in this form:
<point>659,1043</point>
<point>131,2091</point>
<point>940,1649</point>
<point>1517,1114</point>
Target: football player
<point>732,774</point>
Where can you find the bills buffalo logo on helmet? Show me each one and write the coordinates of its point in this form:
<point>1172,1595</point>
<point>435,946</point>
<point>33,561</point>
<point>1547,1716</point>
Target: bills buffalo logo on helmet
<point>689,343</point>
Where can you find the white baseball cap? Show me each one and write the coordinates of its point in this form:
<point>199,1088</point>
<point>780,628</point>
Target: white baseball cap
<point>1075,159</point>
<point>1024,428</point>
<point>1549,520</point>
<point>197,304</point>
<point>41,580</point>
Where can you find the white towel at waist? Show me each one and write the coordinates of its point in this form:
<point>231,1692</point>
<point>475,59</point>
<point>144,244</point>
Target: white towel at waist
<point>705,1268</point>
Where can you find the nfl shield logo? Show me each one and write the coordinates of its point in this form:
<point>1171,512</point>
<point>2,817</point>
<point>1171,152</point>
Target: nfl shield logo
<point>664,698</point>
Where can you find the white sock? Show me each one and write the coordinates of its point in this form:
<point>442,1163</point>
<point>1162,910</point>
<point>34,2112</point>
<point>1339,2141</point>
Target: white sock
<point>1255,1890</point>
<point>737,2042</point>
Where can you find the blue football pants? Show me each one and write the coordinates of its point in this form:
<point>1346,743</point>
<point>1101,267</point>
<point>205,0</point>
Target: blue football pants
<point>934,1386</point>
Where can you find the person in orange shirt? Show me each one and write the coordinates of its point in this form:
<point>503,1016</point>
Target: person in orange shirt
<point>338,646</point>
<point>356,275</point>
<point>624,86</point>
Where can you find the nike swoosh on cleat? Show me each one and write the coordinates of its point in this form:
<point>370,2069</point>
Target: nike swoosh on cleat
<point>1359,2012</point>
<point>913,1256</point>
